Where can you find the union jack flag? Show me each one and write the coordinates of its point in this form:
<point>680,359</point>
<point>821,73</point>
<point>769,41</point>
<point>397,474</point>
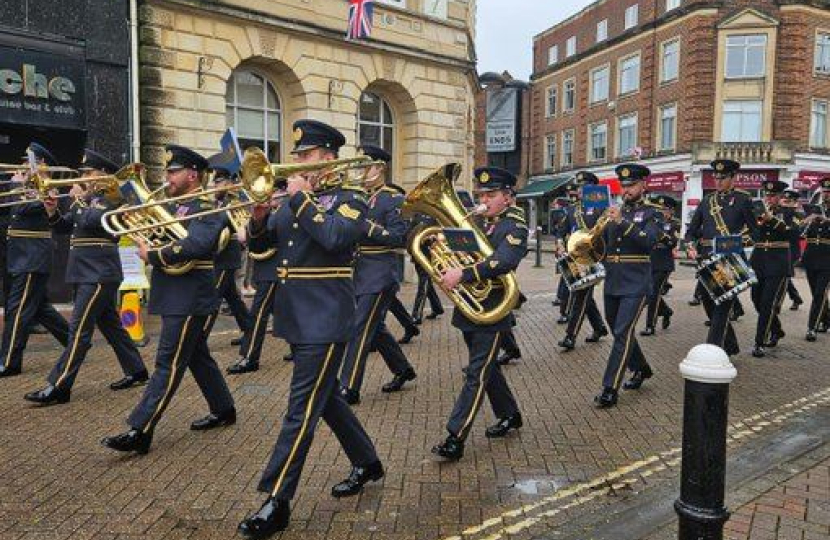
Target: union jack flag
<point>360,19</point>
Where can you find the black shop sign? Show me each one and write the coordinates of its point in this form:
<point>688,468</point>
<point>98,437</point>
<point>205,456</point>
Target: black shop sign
<point>41,89</point>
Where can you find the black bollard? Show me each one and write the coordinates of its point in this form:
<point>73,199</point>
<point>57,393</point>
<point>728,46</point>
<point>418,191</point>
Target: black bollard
<point>538,248</point>
<point>700,508</point>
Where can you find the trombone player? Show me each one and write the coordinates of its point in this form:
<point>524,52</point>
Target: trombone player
<point>29,257</point>
<point>94,269</point>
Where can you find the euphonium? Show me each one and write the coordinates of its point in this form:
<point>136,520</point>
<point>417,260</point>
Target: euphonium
<point>435,197</point>
<point>587,247</point>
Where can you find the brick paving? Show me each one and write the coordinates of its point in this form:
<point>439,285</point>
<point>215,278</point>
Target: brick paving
<point>57,482</point>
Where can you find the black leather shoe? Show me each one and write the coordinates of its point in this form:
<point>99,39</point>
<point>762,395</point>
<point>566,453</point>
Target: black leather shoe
<point>409,334</point>
<point>667,320</point>
<point>596,335</point>
<point>709,323</point>
<point>417,321</point>
<point>8,372</point>
<point>357,479</point>
<point>435,314</point>
<point>452,448</point>
<point>128,381</point>
<point>811,335</point>
<point>563,319</point>
<point>130,441</point>
<point>48,395</point>
<point>272,517</point>
<point>398,381</point>
<point>649,331</point>
<point>796,304</point>
<point>243,366</point>
<point>694,302</point>
<point>289,357</point>
<point>236,342</point>
<point>759,352</point>
<point>211,421</point>
<point>503,426</point>
<point>773,342</point>
<point>608,398</point>
<point>556,302</point>
<point>352,397</point>
<point>733,352</point>
<point>638,377</point>
<point>505,358</point>
<point>821,328</point>
<point>567,343</point>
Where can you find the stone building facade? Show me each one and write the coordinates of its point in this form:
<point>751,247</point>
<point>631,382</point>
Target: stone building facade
<point>260,65</point>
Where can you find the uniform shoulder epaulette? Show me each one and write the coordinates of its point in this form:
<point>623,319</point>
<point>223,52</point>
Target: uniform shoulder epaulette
<point>516,214</point>
<point>651,204</point>
<point>396,188</point>
<point>356,189</point>
<point>742,192</point>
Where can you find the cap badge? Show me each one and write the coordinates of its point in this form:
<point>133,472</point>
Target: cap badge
<point>298,134</point>
<point>168,157</point>
<point>484,178</point>
<point>626,172</point>
<point>719,166</point>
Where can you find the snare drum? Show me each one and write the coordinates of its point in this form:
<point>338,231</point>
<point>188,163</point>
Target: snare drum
<point>579,276</point>
<point>725,276</point>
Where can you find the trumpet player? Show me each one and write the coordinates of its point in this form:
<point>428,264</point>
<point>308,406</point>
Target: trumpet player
<point>94,269</point>
<point>507,232</point>
<point>184,301</point>
<point>377,280</point>
<point>816,260</point>
<point>29,259</point>
<point>631,232</point>
<point>315,231</point>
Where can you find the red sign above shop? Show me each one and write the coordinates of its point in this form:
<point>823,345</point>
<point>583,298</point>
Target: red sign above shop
<point>809,179</point>
<point>671,181</point>
<point>744,179</point>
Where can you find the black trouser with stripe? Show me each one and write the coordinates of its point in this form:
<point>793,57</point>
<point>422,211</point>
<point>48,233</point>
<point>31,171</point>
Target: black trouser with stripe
<point>582,303</point>
<point>369,328</point>
<point>721,332</point>
<point>27,305</point>
<point>767,296</point>
<point>182,346</point>
<point>398,310</point>
<point>622,313</point>
<point>483,376</point>
<point>426,291</point>
<point>509,344</point>
<point>819,281</point>
<point>564,296</point>
<point>657,306</point>
<point>227,290</point>
<point>261,309</point>
<point>314,394</point>
<point>95,305</point>
<point>793,293</point>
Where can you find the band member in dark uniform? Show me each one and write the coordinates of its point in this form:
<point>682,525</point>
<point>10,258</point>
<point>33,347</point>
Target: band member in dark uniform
<point>94,268</point>
<point>772,263</point>
<point>184,302</point>
<point>630,235</point>
<point>563,231</point>
<point>377,280</point>
<point>425,290</point>
<point>228,261</point>
<point>789,207</point>
<point>727,212</point>
<point>582,302</point>
<point>316,232</point>
<point>507,231</point>
<point>662,266</point>
<point>29,256</point>
<point>816,259</point>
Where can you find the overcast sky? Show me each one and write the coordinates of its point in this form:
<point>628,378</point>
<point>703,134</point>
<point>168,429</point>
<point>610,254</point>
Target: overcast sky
<point>504,38</point>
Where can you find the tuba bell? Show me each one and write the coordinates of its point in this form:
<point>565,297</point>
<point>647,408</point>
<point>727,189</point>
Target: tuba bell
<point>435,197</point>
<point>587,247</point>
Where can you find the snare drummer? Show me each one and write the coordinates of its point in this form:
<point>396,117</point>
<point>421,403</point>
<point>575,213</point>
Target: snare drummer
<point>723,213</point>
<point>771,262</point>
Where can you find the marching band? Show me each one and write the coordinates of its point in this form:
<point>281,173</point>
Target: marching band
<point>326,249</point>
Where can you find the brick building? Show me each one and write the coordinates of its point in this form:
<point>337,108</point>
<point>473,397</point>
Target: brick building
<point>677,83</point>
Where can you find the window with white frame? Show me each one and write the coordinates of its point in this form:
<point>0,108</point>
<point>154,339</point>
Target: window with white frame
<point>822,53</point>
<point>568,148</point>
<point>375,124</point>
<point>818,124</point>
<point>599,84</point>
<point>551,99</point>
<point>672,4</point>
<point>632,16</point>
<point>670,61</point>
<point>626,135</point>
<point>570,47</point>
<point>630,75</point>
<point>569,95</point>
<point>598,141</point>
<point>668,127</point>
<point>553,54</point>
<point>602,30</point>
<point>746,56</point>
<point>253,110</point>
<point>741,121</point>
<point>550,152</point>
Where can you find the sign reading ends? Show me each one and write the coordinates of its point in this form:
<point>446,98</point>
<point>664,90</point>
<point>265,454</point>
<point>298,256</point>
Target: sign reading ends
<point>41,89</point>
<point>502,109</point>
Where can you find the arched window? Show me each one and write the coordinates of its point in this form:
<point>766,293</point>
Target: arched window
<point>254,111</point>
<point>375,124</point>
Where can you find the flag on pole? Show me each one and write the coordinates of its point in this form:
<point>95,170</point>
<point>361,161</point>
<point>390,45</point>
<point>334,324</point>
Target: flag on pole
<point>360,19</point>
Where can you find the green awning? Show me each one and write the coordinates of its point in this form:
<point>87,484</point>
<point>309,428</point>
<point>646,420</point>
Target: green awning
<point>539,186</point>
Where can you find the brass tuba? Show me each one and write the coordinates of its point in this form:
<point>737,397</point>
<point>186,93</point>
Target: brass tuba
<point>435,197</point>
<point>587,247</point>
